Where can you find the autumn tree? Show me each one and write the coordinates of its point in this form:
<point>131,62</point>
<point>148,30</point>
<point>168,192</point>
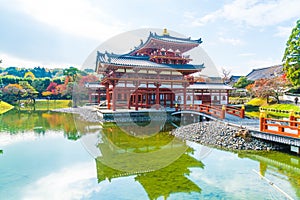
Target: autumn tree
<point>291,57</point>
<point>266,88</point>
<point>13,92</point>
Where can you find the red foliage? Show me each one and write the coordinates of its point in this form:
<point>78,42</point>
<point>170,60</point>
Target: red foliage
<point>88,79</point>
<point>52,87</point>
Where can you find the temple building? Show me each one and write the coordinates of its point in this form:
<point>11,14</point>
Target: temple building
<point>157,73</point>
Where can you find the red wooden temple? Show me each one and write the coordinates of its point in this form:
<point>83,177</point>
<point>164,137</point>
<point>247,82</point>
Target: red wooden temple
<point>157,73</point>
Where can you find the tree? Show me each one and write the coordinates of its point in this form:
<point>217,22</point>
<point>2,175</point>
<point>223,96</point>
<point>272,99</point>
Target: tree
<point>31,92</point>
<point>225,75</point>
<point>71,73</point>
<point>291,57</point>
<point>266,88</point>
<point>29,74</point>
<point>242,82</point>
<point>13,92</point>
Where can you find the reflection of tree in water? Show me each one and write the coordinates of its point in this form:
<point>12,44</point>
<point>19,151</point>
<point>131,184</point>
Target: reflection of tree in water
<point>171,179</point>
<point>160,183</point>
<point>281,163</point>
<point>128,142</point>
<point>17,121</point>
<point>120,148</point>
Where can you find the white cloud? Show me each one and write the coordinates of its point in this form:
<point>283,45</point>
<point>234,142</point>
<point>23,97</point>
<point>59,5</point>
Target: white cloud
<point>247,54</point>
<point>74,182</point>
<point>231,41</point>
<point>252,12</point>
<point>77,17</point>
<point>256,63</point>
<point>283,31</point>
<point>13,61</point>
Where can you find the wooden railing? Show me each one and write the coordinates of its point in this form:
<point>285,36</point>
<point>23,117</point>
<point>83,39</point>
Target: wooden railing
<point>290,127</point>
<point>239,112</point>
<point>218,110</point>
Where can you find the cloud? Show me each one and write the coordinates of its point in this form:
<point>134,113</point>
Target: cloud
<point>252,13</point>
<point>263,63</point>
<point>13,61</point>
<point>232,41</point>
<point>283,31</point>
<point>76,17</point>
<point>74,182</point>
<point>247,54</point>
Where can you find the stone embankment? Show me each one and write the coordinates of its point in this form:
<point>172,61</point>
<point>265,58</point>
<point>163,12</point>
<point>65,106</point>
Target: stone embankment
<point>86,113</point>
<point>222,135</point>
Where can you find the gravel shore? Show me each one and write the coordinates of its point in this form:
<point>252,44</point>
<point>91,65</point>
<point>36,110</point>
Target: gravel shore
<point>222,135</point>
<point>86,113</point>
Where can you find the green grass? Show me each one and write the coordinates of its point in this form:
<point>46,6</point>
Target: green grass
<point>48,105</point>
<point>273,111</point>
<point>281,110</point>
<point>4,107</point>
<point>257,102</point>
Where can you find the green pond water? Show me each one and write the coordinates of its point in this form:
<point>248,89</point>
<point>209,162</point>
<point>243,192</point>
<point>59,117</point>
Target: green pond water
<point>46,155</point>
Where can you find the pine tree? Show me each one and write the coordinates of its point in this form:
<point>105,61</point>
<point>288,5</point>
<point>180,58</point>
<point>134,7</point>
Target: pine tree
<point>291,56</point>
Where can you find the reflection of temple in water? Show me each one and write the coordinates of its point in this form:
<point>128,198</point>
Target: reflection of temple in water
<point>161,163</point>
<point>274,163</point>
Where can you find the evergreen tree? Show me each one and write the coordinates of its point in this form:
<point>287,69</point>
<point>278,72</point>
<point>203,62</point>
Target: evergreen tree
<point>291,56</point>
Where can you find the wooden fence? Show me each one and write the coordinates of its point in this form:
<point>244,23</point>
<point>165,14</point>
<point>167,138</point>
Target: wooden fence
<point>290,127</point>
<point>218,110</point>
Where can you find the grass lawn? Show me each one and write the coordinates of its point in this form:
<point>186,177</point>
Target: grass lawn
<point>49,104</point>
<point>274,110</point>
<point>4,107</point>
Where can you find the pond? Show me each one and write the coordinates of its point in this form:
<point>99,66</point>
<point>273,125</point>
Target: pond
<point>47,155</point>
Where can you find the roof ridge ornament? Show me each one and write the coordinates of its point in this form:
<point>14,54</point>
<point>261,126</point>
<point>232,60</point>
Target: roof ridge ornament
<point>165,32</point>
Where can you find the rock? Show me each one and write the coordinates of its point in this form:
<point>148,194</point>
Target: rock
<point>221,135</point>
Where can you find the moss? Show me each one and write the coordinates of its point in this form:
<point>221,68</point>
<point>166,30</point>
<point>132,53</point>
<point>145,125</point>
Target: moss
<point>4,107</point>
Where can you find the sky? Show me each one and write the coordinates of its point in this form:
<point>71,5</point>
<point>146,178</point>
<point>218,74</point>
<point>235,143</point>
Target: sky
<point>237,35</point>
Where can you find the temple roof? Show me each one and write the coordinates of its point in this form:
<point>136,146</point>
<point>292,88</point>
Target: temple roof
<point>155,41</point>
<point>266,72</point>
<point>141,62</point>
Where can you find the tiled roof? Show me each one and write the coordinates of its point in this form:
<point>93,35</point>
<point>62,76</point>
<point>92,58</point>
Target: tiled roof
<point>188,43</point>
<point>174,39</point>
<point>267,72</point>
<point>140,62</point>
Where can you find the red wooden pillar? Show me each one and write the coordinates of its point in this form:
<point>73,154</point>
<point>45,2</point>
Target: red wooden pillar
<point>146,96</point>
<point>157,96</point>
<point>292,118</point>
<point>165,100</point>
<point>108,97</point>
<point>242,113</point>
<point>184,96</point>
<point>128,95</point>
<point>171,100</point>
<point>136,102</point>
<point>114,101</point>
<point>223,112</point>
<point>262,121</point>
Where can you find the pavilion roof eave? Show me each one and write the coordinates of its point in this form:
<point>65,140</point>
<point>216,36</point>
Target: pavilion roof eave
<point>167,39</point>
<point>185,68</point>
